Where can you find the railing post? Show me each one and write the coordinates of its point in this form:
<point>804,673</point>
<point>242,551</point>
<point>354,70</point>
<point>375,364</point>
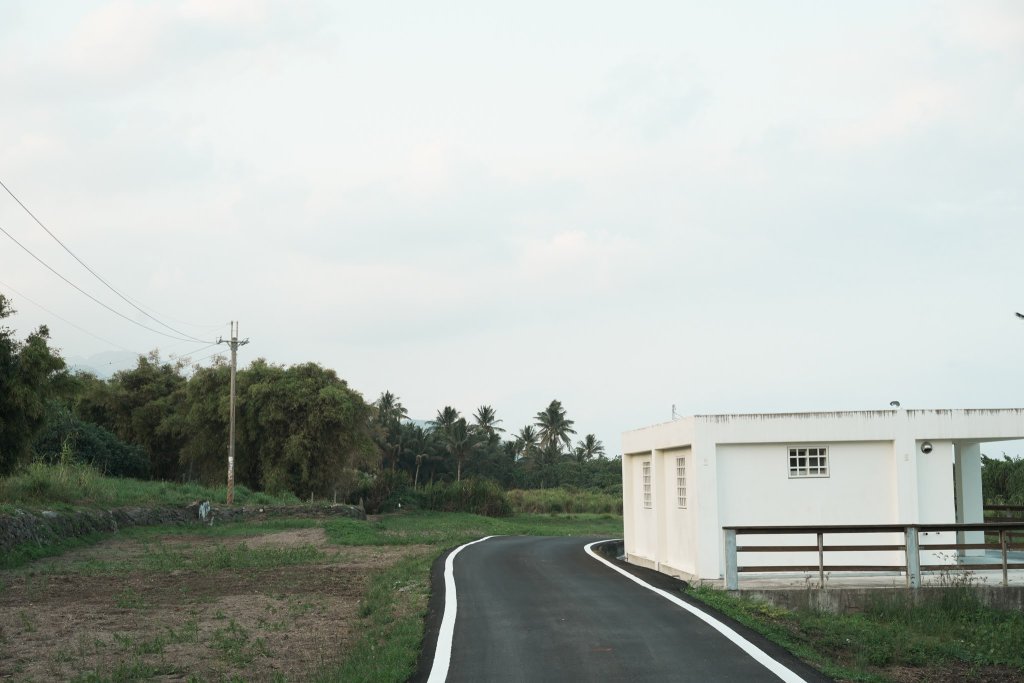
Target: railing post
<point>1002,547</point>
<point>732,574</point>
<point>821,560</point>
<point>913,558</point>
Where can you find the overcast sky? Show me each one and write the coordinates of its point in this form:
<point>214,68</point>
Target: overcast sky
<point>729,207</point>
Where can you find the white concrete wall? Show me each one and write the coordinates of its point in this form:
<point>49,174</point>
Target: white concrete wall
<point>970,503</point>
<point>936,499</point>
<point>679,540</point>
<point>756,490</point>
<point>640,523</point>
<point>878,476</point>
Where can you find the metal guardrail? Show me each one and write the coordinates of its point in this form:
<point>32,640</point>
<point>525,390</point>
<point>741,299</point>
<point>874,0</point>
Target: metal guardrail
<point>911,547</point>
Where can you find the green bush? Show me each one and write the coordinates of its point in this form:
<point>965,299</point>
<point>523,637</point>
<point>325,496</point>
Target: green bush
<point>478,496</point>
<point>1002,481</point>
<point>66,436</point>
<point>385,491</point>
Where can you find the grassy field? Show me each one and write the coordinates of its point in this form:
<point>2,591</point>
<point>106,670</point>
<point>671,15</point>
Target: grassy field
<point>283,599</point>
<point>74,485</point>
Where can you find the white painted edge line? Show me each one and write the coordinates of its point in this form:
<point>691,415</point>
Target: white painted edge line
<point>754,651</point>
<point>443,651</point>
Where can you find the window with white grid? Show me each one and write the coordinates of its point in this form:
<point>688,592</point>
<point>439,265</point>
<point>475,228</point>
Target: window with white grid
<point>648,503</point>
<point>808,461</point>
<point>681,482</point>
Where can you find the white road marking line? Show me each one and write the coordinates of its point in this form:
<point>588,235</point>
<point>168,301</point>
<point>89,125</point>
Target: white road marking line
<point>757,653</point>
<point>443,651</point>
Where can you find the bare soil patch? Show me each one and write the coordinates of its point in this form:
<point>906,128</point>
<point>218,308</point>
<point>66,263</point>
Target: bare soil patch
<point>61,618</point>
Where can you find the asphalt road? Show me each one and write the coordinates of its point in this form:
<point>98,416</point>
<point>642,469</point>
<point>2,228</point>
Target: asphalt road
<point>541,609</point>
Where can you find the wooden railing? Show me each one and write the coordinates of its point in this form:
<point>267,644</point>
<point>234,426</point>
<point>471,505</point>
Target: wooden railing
<point>1006,513</point>
<point>910,547</point>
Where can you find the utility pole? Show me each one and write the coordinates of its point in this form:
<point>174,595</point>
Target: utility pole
<point>234,344</point>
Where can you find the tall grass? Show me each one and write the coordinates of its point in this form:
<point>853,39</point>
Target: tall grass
<point>479,496</point>
<point>76,484</point>
<point>957,633</point>
<point>560,500</point>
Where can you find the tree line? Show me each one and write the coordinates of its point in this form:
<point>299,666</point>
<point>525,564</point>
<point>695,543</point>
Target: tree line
<point>300,428</point>
<point>451,446</point>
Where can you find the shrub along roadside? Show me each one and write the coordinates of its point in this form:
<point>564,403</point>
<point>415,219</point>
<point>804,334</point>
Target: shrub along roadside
<point>478,496</point>
<point>559,500</point>
<point>390,491</point>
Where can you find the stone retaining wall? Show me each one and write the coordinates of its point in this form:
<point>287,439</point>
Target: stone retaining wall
<point>45,527</point>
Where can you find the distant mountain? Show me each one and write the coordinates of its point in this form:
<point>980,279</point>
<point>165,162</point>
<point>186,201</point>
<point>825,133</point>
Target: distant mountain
<point>104,364</point>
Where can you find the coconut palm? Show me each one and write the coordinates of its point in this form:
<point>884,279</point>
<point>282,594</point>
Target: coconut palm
<point>554,429</point>
<point>526,441</point>
<point>590,447</point>
<point>446,417</point>
<point>389,415</point>
<point>390,409</point>
<point>461,441</point>
<point>486,419</point>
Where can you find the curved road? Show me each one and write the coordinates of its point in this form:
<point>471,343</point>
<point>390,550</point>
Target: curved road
<point>542,609</point>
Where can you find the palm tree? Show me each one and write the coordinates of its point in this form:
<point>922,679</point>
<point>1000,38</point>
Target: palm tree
<point>420,457</point>
<point>526,441</point>
<point>487,420</point>
<point>446,417</point>
<point>461,441</point>
<point>389,415</point>
<point>590,447</point>
<point>554,428</point>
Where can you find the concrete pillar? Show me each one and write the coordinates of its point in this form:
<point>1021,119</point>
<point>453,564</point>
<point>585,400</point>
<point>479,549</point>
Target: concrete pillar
<point>708,543</point>
<point>969,500</point>
<point>629,511</point>
<point>659,475</point>
<point>905,455</point>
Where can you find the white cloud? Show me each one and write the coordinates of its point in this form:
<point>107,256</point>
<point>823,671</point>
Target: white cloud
<point>721,206</point>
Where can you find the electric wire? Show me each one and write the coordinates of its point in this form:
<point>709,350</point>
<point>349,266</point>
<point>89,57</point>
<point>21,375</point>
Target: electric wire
<point>201,348</point>
<point>197,362</point>
<point>93,272</point>
<point>112,310</point>
<point>77,327</point>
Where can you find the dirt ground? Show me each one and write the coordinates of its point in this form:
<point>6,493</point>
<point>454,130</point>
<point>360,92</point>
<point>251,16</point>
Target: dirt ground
<point>61,620</point>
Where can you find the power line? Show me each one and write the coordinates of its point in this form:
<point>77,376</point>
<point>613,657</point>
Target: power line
<point>94,273</point>
<point>115,312</point>
<point>197,362</point>
<point>77,327</point>
<point>201,348</point>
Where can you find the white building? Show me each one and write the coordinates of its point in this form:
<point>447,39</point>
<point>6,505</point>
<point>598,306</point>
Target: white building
<point>684,480</point>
